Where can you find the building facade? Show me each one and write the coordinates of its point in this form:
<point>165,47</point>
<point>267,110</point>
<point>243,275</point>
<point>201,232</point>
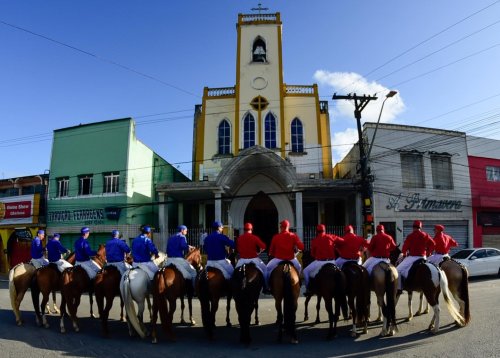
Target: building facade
<point>22,214</point>
<point>103,177</point>
<point>484,168</point>
<point>261,148</point>
<point>418,174</point>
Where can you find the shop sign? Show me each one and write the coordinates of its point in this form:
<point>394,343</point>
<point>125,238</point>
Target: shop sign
<point>113,212</point>
<point>86,216</point>
<point>416,203</point>
<point>17,209</point>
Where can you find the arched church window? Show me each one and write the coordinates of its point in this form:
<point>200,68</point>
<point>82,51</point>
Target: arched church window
<point>259,53</point>
<point>297,136</point>
<point>224,137</point>
<point>270,131</point>
<point>248,131</point>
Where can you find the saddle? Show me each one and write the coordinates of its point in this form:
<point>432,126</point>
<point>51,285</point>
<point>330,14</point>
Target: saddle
<point>413,270</point>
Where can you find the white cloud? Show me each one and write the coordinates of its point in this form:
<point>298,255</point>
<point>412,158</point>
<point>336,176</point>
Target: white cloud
<point>350,82</point>
<point>342,143</point>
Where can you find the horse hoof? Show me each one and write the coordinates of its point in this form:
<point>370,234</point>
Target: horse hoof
<point>93,315</point>
<point>306,318</point>
<point>193,322</point>
<point>294,341</point>
<point>46,325</point>
<point>19,323</point>
<point>354,334</point>
<point>154,341</point>
<point>63,330</point>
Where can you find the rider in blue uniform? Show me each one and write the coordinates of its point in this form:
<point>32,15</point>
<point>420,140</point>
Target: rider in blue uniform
<point>116,250</point>
<point>142,249</point>
<point>54,251</point>
<point>37,250</point>
<point>177,248</point>
<point>83,253</point>
<point>215,247</point>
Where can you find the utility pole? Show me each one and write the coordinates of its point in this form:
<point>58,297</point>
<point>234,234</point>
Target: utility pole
<point>360,103</point>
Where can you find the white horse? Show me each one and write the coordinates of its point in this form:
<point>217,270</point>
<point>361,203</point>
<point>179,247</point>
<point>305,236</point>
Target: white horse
<point>135,287</point>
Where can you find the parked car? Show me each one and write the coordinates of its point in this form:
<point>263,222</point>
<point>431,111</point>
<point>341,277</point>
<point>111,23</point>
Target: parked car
<point>479,261</point>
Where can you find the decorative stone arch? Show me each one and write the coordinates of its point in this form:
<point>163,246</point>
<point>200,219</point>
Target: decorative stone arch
<point>259,50</point>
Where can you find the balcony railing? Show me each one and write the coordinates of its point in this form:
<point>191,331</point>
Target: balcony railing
<point>259,17</point>
<point>299,89</point>
<point>221,92</point>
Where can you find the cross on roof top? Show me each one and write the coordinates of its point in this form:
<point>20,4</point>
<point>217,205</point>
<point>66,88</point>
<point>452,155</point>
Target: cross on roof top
<point>259,8</point>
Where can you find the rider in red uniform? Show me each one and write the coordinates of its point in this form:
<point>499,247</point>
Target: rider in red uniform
<point>349,248</point>
<point>248,247</point>
<point>379,247</point>
<point>443,243</point>
<point>323,252</point>
<point>283,247</point>
<point>415,247</point>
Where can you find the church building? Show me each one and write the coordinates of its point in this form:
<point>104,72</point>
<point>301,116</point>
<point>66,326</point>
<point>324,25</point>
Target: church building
<point>261,149</point>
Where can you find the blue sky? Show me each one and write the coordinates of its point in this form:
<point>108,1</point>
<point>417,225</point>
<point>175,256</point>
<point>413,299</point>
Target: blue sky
<point>64,63</point>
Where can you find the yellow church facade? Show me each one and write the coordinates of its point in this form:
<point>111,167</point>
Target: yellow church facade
<point>261,148</point>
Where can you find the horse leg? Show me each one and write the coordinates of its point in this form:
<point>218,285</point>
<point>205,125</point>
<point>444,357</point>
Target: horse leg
<point>140,315</point>
<point>91,300</point>
<point>121,308</point>
<point>62,314</point>
<point>148,302</point>
<point>279,318</point>
<point>105,313</point>
<point>421,306</point>
<point>154,317</point>
<point>332,320</point>
<point>182,309</point>
<point>228,307</point>
<point>410,309</point>
<point>73,312</point>
<point>318,306</point>
<point>54,304</point>
<point>190,308</point>
<point>256,306</point>
<point>35,296</point>
<point>352,306</point>
<point>434,325</point>
<point>45,300</point>
<point>306,304</point>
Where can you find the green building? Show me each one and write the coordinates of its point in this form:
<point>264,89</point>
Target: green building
<point>103,177</point>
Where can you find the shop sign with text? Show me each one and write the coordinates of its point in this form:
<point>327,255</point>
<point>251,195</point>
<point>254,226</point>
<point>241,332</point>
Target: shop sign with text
<point>86,216</point>
<point>416,203</point>
<point>17,210</point>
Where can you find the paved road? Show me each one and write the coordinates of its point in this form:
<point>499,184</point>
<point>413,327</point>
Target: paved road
<point>479,339</point>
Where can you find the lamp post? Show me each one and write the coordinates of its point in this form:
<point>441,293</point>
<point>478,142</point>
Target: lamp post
<point>367,186</point>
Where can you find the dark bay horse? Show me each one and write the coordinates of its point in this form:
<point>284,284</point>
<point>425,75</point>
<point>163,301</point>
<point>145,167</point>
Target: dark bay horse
<point>358,295</point>
<point>106,287</point>
<point>168,285</point>
<point>247,282</point>
<point>431,281</point>
<point>384,282</point>
<point>46,279</point>
<point>285,287</point>
<point>74,282</point>
<point>210,287</point>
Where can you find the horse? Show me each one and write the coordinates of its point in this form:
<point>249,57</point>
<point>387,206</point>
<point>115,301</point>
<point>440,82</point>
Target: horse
<point>384,282</point>
<point>168,285</point>
<point>458,283</point>
<point>211,285</point>
<point>107,286</point>
<point>75,281</point>
<point>135,286</point>
<point>285,286</point>
<point>358,295</point>
<point>20,279</point>
<point>247,282</point>
<point>45,280</point>
<point>306,260</point>
<point>431,281</point>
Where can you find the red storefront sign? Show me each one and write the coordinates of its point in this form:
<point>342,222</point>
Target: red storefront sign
<point>17,209</point>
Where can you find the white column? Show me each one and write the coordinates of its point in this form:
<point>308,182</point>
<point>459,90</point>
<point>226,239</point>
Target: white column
<point>180,213</point>
<point>299,221</point>
<point>218,206</point>
<point>162,221</point>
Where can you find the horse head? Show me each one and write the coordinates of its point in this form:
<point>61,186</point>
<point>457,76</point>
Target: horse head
<point>394,254</point>
<point>101,255</point>
<point>194,258</point>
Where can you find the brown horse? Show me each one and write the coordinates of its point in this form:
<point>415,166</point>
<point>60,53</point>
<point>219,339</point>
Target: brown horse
<point>247,282</point>
<point>74,282</point>
<point>168,285</point>
<point>20,277</point>
<point>107,286</point>
<point>458,283</point>
<point>384,282</point>
<point>285,287</point>
<point>46,279</point>
<point>210,287</point>
<point>358,295</point>
<point>431,281</point>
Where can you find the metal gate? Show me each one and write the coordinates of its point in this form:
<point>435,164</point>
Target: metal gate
<point>457,229</point>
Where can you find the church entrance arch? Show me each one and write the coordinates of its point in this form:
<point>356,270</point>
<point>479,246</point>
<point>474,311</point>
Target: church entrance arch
<point>263,215</point>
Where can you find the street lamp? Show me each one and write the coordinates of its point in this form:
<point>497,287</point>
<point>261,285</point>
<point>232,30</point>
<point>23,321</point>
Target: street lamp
<point>389,95</point>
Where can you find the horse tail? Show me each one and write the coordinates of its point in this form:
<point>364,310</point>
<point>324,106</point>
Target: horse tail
<point>288,301</point>
<point>362,296</point>
<point>340,290</point>
<point>129,304</point>
<point>12,288</point>
<point>447,297</point>
<point>390,294</point>
<point>464,289</point>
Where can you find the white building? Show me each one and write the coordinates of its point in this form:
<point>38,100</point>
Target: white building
<point>418,174</point>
